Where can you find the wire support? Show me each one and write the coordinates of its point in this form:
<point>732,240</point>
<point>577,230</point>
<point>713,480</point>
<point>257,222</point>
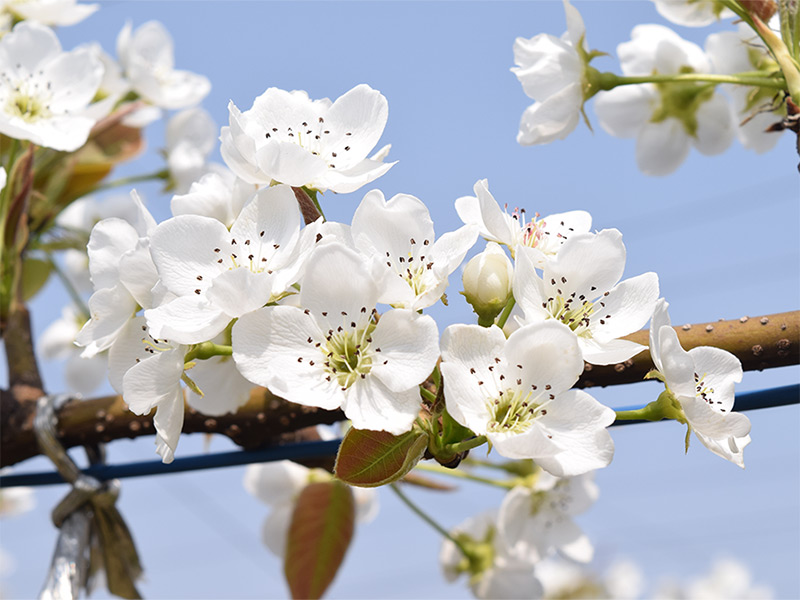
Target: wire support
<point>771,398</point>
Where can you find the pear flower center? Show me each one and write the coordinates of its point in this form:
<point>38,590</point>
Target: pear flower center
<point>705,392</point>
<point>513,411</point>
<point>574,310</point>
<point>347,351</point>
<point>314,136</point>
<point>29,99</point>
<point>413,267</point>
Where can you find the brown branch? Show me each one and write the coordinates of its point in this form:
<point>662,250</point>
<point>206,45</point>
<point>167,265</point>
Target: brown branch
<point>310,212</point>
<point>759,342</point>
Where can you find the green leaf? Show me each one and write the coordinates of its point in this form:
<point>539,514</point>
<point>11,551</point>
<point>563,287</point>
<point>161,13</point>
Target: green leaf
<point>372,458</point>
<point>319,535</point>
<point>35,273</point>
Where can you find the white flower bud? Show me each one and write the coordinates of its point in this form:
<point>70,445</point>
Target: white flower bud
<point>487,281</point>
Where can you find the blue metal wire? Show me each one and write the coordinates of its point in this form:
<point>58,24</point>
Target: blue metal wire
<point>781,396</point>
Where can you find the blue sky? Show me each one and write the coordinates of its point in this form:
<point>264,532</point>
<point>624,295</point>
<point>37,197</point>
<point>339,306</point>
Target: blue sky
<point>721,233</point>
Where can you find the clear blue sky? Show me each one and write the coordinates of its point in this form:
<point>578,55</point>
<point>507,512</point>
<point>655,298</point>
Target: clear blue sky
<point>721,233</point>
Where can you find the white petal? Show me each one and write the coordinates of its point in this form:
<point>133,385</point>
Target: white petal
<point>608,352</point>
<point>409,349</point>
<point>589,264</point>
<point>369,404</point>
<point>183,250</point>
<point>168,422</point>
<point>275,483</point>
<point>155,381</point>
<point>110,239</point>
<point>553,119</point>
<point>623,111</point>
<point>676,364</point>
<point>549,354</point>
<point>628,306</point>
<point>240,291</point>
<point>662,147</point>
<point>224,389</point>
<point>186,320</point>
<point>275,529</point>
<point>577,422</point>
<point>719,370</point>
<point>715,126</point>
<point>110,309</point>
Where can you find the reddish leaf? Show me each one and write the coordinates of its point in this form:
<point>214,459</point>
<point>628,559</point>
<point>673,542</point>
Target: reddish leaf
<point>319,535</point>
<point>372,458</point>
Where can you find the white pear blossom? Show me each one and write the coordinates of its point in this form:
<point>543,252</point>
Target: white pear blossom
<point>516,393</point>
<point>190,137</point>
<point>288,138</point>
<point>702,382</point>
<point>545,236</point>
<point>57,342</point>
<point>53,13</point>
<point>729,578</point>
<point>218,275</point>
<point>278,484</point>
<point>148,60</point>
<point>692,13</point>
<point>579,288</point>
<point>536,521</point>
<point>666,119</point>
<point>755,108</point>
<point>551,71</point>
<point>147,372</point>
<point>494,572</point>
<point>44,92</point>
<point>332,354</point>
<point>397,237</point>
<point>123,275</point>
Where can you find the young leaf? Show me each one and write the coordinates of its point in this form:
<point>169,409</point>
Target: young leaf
<point>319,535</point>
<point>372,458</point>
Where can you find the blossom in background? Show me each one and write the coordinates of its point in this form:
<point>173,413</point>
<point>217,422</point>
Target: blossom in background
<point>147,57</point>
<point>219,195</point>
<point>545,236</point>
<point>331,354</point>
<point>218,275</point>
<point>579,288</point>
<point>701,381</point>
<point>537,521</point>
<point>44,92</point>
<point>113,86</point>
<point>123,276</point>
<point>551,71</point>
<point>278,484</point>
<point>494,571</point>
<point>692,13</point>
<point>666,119</point>
<point>288,138</point>
<point>57,342</point>
<point>147,372</point>
<point>516,393</point>
<point>755,108</point>
<point>54,13</point>
<point>728,578</point>
<point>190,137</point>
<point>397,237</point>
<point>79,218</point>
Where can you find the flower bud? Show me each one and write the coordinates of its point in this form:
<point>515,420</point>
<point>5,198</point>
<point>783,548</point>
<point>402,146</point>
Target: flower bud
<point>487,282</point>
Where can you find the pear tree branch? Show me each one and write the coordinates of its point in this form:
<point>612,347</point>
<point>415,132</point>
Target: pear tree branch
<point>759,342</point>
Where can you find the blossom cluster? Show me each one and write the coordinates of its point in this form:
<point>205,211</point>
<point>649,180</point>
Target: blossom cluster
<point>669,97</point>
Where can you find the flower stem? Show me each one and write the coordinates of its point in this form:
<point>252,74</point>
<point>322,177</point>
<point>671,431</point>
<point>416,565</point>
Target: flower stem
<point>427,394</point>
<point>501,321</point>
<point>459,474</point>
<point>162,174</point>
<point>459,447</point>
<point>416,509</point>
<point>608,81</point>
<point>207,350</point>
